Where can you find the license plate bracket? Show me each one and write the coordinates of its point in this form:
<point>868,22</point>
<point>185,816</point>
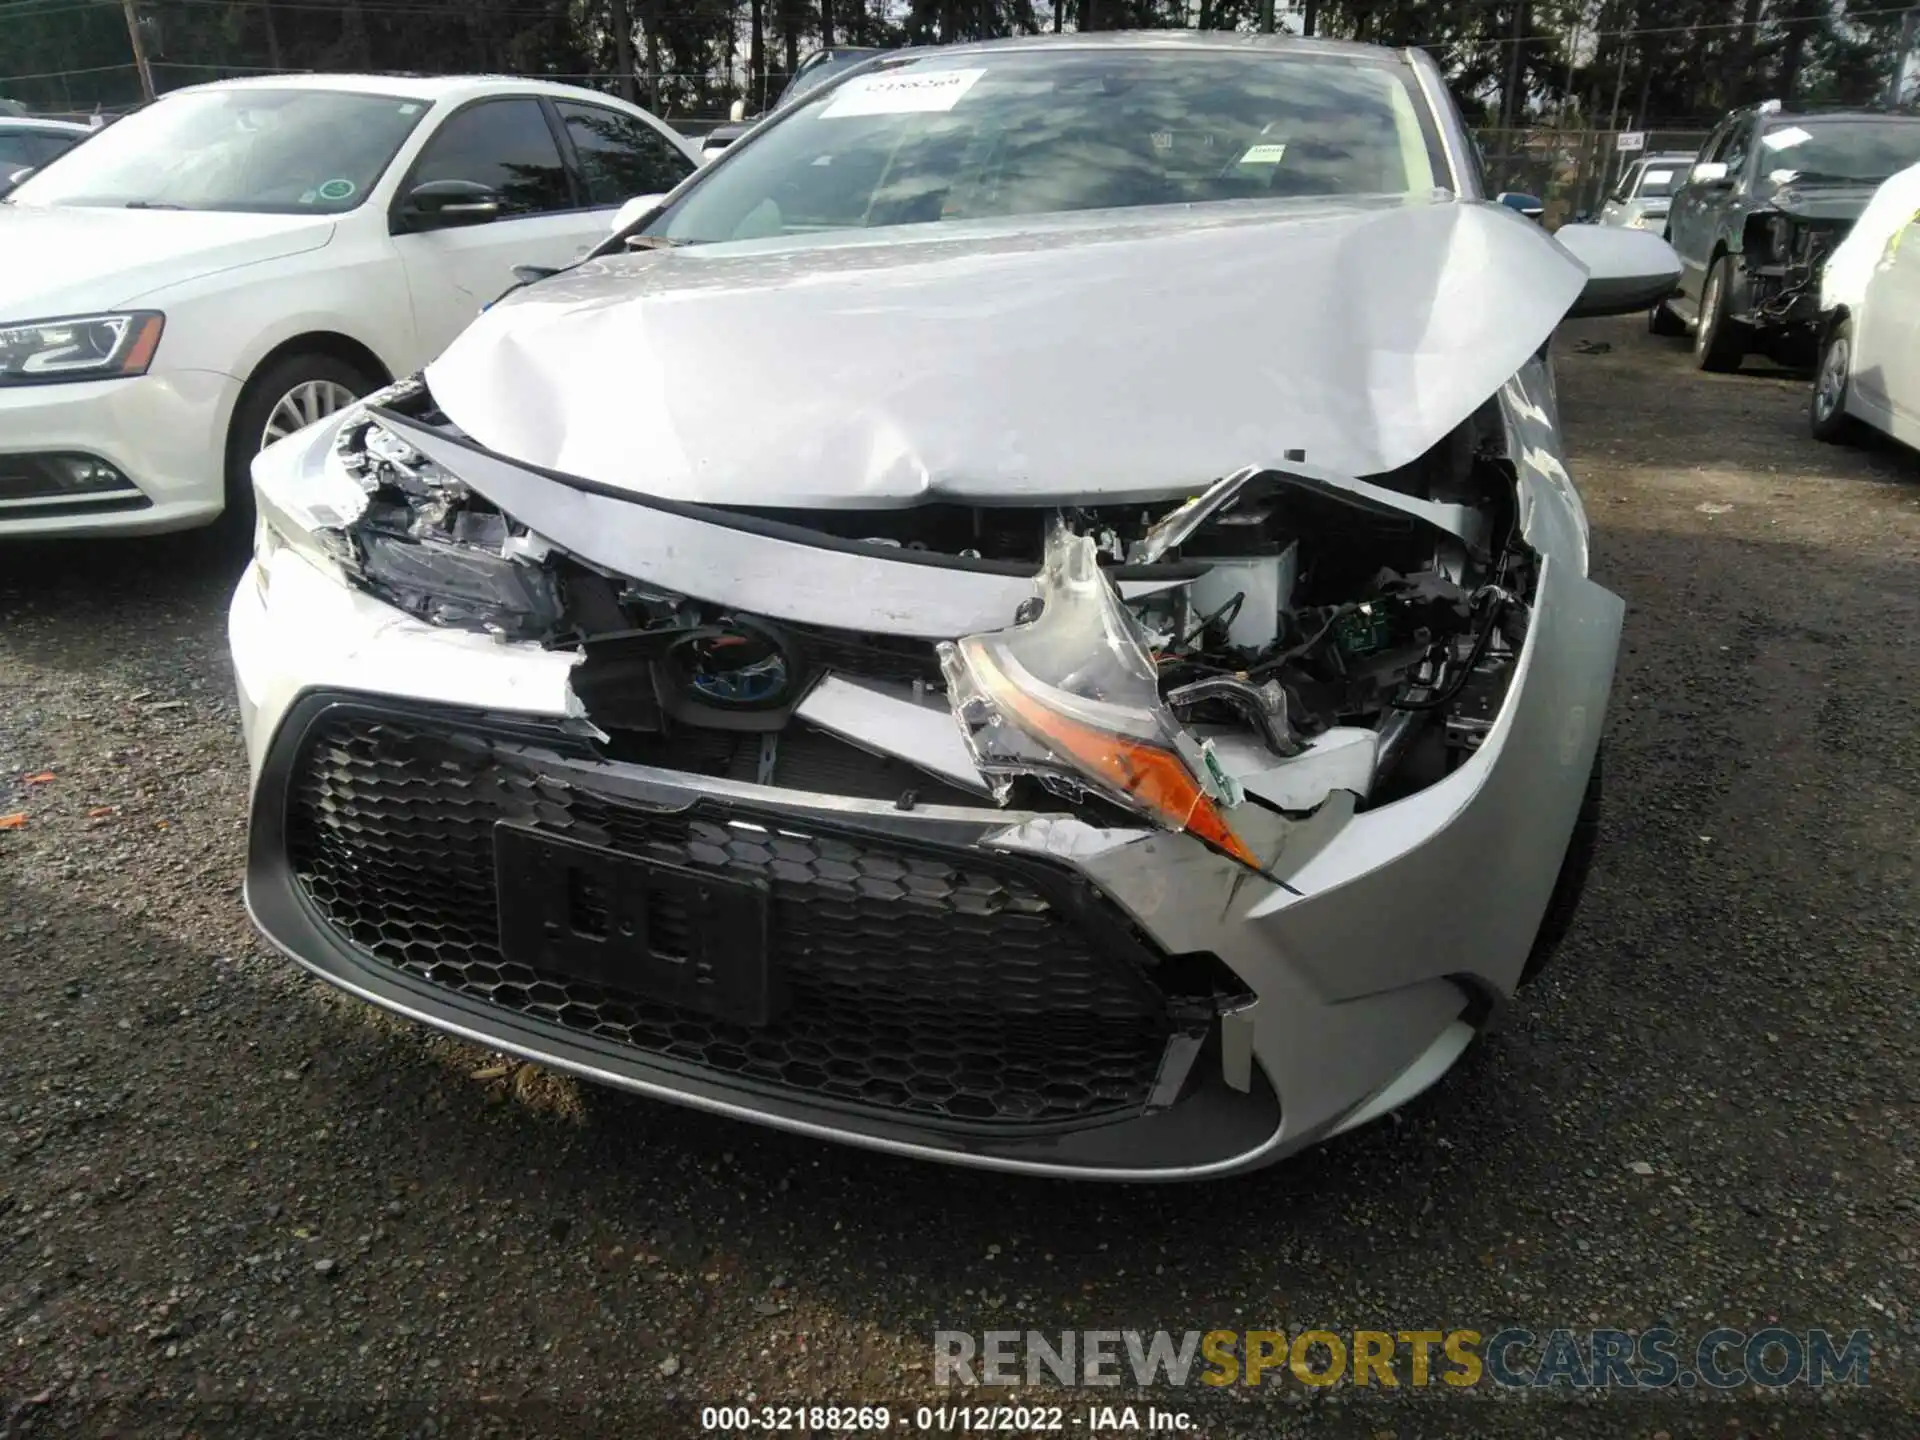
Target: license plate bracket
<point>691,938</point>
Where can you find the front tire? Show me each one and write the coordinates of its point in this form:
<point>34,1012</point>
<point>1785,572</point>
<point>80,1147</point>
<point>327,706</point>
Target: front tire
<point>1833,380</point>
<point>1720,342</point>
<point>285,396</point>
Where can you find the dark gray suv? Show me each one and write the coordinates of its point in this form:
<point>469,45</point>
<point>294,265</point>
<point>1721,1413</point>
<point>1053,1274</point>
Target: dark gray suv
<point>1770,197</point>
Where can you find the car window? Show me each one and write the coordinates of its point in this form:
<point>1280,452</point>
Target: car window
<point>620,156</point>
<point>1716,145</point>
<point>1661,178</point>
<point>272,151</point>
<point>31,147</point>
<point>505,145</point>
<point>1734,151</point>
<point>967,136</point>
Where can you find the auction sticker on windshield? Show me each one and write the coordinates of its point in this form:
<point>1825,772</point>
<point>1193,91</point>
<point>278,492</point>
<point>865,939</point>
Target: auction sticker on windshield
<point>1786,139</point>
<point>900,94</point>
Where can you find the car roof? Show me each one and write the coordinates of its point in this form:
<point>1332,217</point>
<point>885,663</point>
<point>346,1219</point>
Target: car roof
<point>24,123</point>
<point>453,88</point>
<point>1161,40</point>
<point>1837,112</point>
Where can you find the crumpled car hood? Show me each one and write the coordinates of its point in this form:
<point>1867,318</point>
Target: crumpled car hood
<point>1083,357</point>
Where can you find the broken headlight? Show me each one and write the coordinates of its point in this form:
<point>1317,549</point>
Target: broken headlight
<point>385,519</point>
<point>1072,696</point>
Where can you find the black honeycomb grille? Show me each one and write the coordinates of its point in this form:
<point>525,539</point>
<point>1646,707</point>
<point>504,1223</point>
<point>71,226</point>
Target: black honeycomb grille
<point>913,983</point>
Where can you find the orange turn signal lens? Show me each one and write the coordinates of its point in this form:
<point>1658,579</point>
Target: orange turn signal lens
<point>143,342</point>
<point>1154,776</point>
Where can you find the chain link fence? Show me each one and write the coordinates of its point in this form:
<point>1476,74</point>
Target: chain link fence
<point>1571,170</point>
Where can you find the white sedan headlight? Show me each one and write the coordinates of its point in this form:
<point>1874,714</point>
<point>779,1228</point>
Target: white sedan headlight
<point>79,347</point>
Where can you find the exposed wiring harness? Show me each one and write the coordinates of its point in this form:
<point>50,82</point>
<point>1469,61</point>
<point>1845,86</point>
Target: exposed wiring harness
<point>1496,601</point>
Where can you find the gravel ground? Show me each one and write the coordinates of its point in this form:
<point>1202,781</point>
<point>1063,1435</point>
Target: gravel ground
<point>233,1202</point>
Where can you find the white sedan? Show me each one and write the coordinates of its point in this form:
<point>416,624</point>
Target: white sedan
<point>1869,371</point>
<point>239,260</point>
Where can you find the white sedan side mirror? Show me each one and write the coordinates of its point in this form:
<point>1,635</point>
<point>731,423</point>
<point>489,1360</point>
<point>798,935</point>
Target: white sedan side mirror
<point>630,212</point>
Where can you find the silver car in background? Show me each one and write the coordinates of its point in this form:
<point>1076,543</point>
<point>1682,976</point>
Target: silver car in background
<point>1640,200</point>
<point>1032,615</point>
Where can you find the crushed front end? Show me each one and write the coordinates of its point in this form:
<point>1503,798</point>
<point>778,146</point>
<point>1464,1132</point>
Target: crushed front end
<point>1142,840</point>
<point>1784,254</point>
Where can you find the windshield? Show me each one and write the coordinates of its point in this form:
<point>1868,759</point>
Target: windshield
<point>1662,178</point>
<point>274,151</point>
<point>837,62</point>
<point>1014,133</point>
<point>1867,151</point>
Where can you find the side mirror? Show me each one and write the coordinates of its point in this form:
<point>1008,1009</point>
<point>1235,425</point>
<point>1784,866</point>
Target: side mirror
<point>1531,206</point>
<point>1711,172</point>
<point>1628,271</point>
<point>442,204</point>
<point>8,182</point>
<point>737,111</point>
<point>631,212</point>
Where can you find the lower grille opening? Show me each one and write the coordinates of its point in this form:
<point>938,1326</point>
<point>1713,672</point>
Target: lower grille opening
<point>55,476</point>
<point>965,990</point>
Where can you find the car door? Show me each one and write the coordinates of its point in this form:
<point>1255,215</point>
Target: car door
<point>1886,365</point>
<point>1682,219</point>
<point>619,156</point>
<point>506,144</point>
<point>1722,206</point>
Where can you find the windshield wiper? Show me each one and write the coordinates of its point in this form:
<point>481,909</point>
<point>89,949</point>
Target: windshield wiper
<point>153,205</point>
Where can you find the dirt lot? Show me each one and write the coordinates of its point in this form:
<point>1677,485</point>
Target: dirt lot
<point>221,1183</point>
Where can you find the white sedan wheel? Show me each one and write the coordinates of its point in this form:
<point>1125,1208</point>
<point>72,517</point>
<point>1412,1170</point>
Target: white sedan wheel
<point>305,403</point>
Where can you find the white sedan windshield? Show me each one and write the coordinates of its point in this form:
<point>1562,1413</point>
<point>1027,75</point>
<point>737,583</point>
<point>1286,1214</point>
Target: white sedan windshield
<point>274,151</point>
<point>961,136</point>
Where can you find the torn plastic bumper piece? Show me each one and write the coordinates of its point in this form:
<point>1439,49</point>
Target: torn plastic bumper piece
<point>1178,525</point>
<point>1072,697</point>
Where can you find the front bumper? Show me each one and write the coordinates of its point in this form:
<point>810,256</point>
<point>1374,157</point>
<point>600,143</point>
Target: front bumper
<point>1394,933</point>
<point>1781,300</point>
<point>164,431</point>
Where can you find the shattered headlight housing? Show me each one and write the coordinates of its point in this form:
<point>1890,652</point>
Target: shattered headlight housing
<point>1073,696</point>
<point>381,517</point>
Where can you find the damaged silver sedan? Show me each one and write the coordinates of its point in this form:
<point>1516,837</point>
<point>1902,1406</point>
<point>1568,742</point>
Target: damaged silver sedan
<point>1031,615</point>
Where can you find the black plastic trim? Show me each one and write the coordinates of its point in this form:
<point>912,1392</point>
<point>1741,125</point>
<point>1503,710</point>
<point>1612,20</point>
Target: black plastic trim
<point>1210,1125</point>
<point>112,502</point>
